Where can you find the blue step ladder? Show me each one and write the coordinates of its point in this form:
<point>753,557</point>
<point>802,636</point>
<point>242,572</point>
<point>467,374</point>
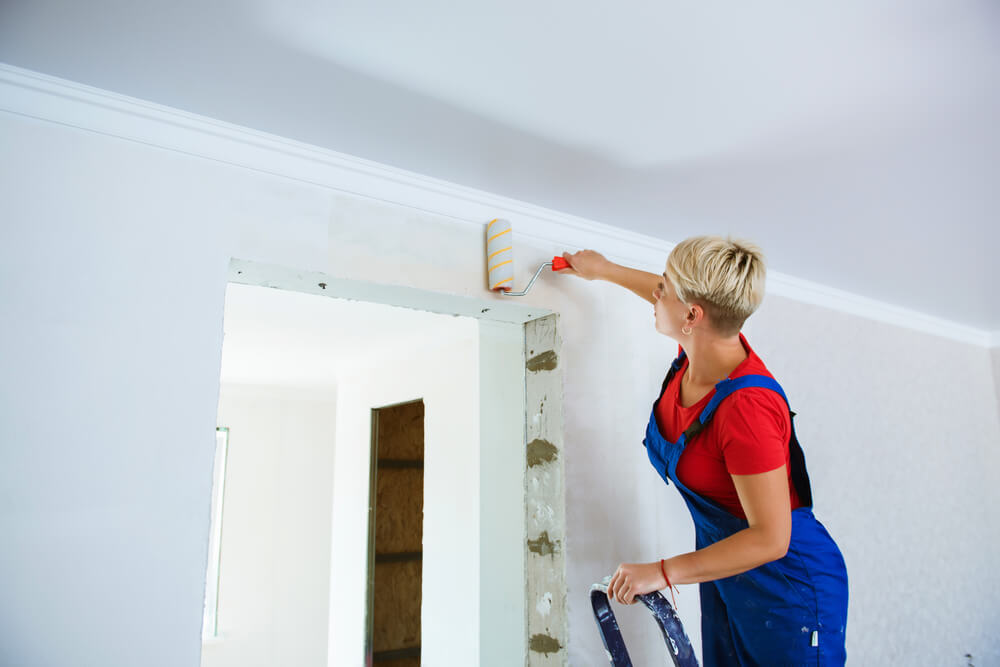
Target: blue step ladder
<point>678,645</point>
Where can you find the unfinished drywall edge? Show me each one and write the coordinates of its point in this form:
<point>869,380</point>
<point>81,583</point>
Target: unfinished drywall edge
<point>544,495</point>
<point>260,274</point>
<point>44,97</point>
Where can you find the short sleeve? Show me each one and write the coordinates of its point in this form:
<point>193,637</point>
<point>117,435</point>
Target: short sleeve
<point>754,429</point>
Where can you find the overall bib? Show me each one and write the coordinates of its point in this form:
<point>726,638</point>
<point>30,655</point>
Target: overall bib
<point>792,611</point>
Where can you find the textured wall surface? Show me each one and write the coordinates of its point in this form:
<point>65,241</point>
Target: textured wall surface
<point>902,440</point>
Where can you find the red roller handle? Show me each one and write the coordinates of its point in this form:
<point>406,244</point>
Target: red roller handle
<point>558,263</point>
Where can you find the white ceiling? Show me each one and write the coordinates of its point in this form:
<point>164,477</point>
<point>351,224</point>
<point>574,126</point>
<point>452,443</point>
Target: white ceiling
<point>289,339</point>
<point>856,141</point>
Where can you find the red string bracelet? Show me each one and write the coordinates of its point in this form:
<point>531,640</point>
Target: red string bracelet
<point>669,585</point>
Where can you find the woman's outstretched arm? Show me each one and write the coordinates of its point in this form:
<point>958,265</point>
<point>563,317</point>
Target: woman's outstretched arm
<point>592,265</point>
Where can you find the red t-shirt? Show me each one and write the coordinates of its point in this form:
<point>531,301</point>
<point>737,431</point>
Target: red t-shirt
<point>748,434</point>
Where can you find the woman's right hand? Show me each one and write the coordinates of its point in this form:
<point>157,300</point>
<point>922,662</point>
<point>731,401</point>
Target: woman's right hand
<point>587,264</point>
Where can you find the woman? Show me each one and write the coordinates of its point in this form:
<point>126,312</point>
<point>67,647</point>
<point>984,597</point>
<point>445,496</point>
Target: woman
<point>773,582</point>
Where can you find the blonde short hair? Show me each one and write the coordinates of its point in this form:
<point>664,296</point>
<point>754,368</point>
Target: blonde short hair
<point>725,276</point>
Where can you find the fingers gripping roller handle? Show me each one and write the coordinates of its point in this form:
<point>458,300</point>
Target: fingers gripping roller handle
<point>500,259</point>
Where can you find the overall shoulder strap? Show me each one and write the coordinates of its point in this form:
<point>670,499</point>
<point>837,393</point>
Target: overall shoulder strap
<point>727,387</point>
<point>723,390</point>
<point>800,478</point>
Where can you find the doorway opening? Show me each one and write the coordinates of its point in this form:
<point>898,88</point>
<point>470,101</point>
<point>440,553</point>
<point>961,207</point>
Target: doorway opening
<point>315,369</point>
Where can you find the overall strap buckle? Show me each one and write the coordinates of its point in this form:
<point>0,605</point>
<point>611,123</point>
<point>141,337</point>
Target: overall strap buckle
<point>694,429</point>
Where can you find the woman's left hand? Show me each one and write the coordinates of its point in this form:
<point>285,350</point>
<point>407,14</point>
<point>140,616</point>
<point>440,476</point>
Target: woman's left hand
<point>632,579</point>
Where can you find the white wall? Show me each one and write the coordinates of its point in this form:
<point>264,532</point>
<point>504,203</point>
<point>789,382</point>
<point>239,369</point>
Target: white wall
<point>274,589</point>
<point>446,377</point>
<point>995,357</point>
<point>112,274</point>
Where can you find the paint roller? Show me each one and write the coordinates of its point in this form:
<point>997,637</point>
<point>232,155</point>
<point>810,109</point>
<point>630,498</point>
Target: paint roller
<point>500,259</point>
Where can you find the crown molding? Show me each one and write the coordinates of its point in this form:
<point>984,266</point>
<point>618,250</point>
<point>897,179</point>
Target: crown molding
<point>881,311</point>
<point>42,97</point>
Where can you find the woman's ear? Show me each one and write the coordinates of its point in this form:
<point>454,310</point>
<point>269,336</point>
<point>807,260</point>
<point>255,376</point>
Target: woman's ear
<point>695,314</point>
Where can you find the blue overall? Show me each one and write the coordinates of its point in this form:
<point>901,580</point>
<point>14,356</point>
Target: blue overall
<point>792,611</point>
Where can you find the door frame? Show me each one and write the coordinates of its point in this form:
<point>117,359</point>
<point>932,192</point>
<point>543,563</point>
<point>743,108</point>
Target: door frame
<point>520,598</point>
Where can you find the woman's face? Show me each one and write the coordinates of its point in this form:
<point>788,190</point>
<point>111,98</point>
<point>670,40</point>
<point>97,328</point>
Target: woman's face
<point>670,312</point>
